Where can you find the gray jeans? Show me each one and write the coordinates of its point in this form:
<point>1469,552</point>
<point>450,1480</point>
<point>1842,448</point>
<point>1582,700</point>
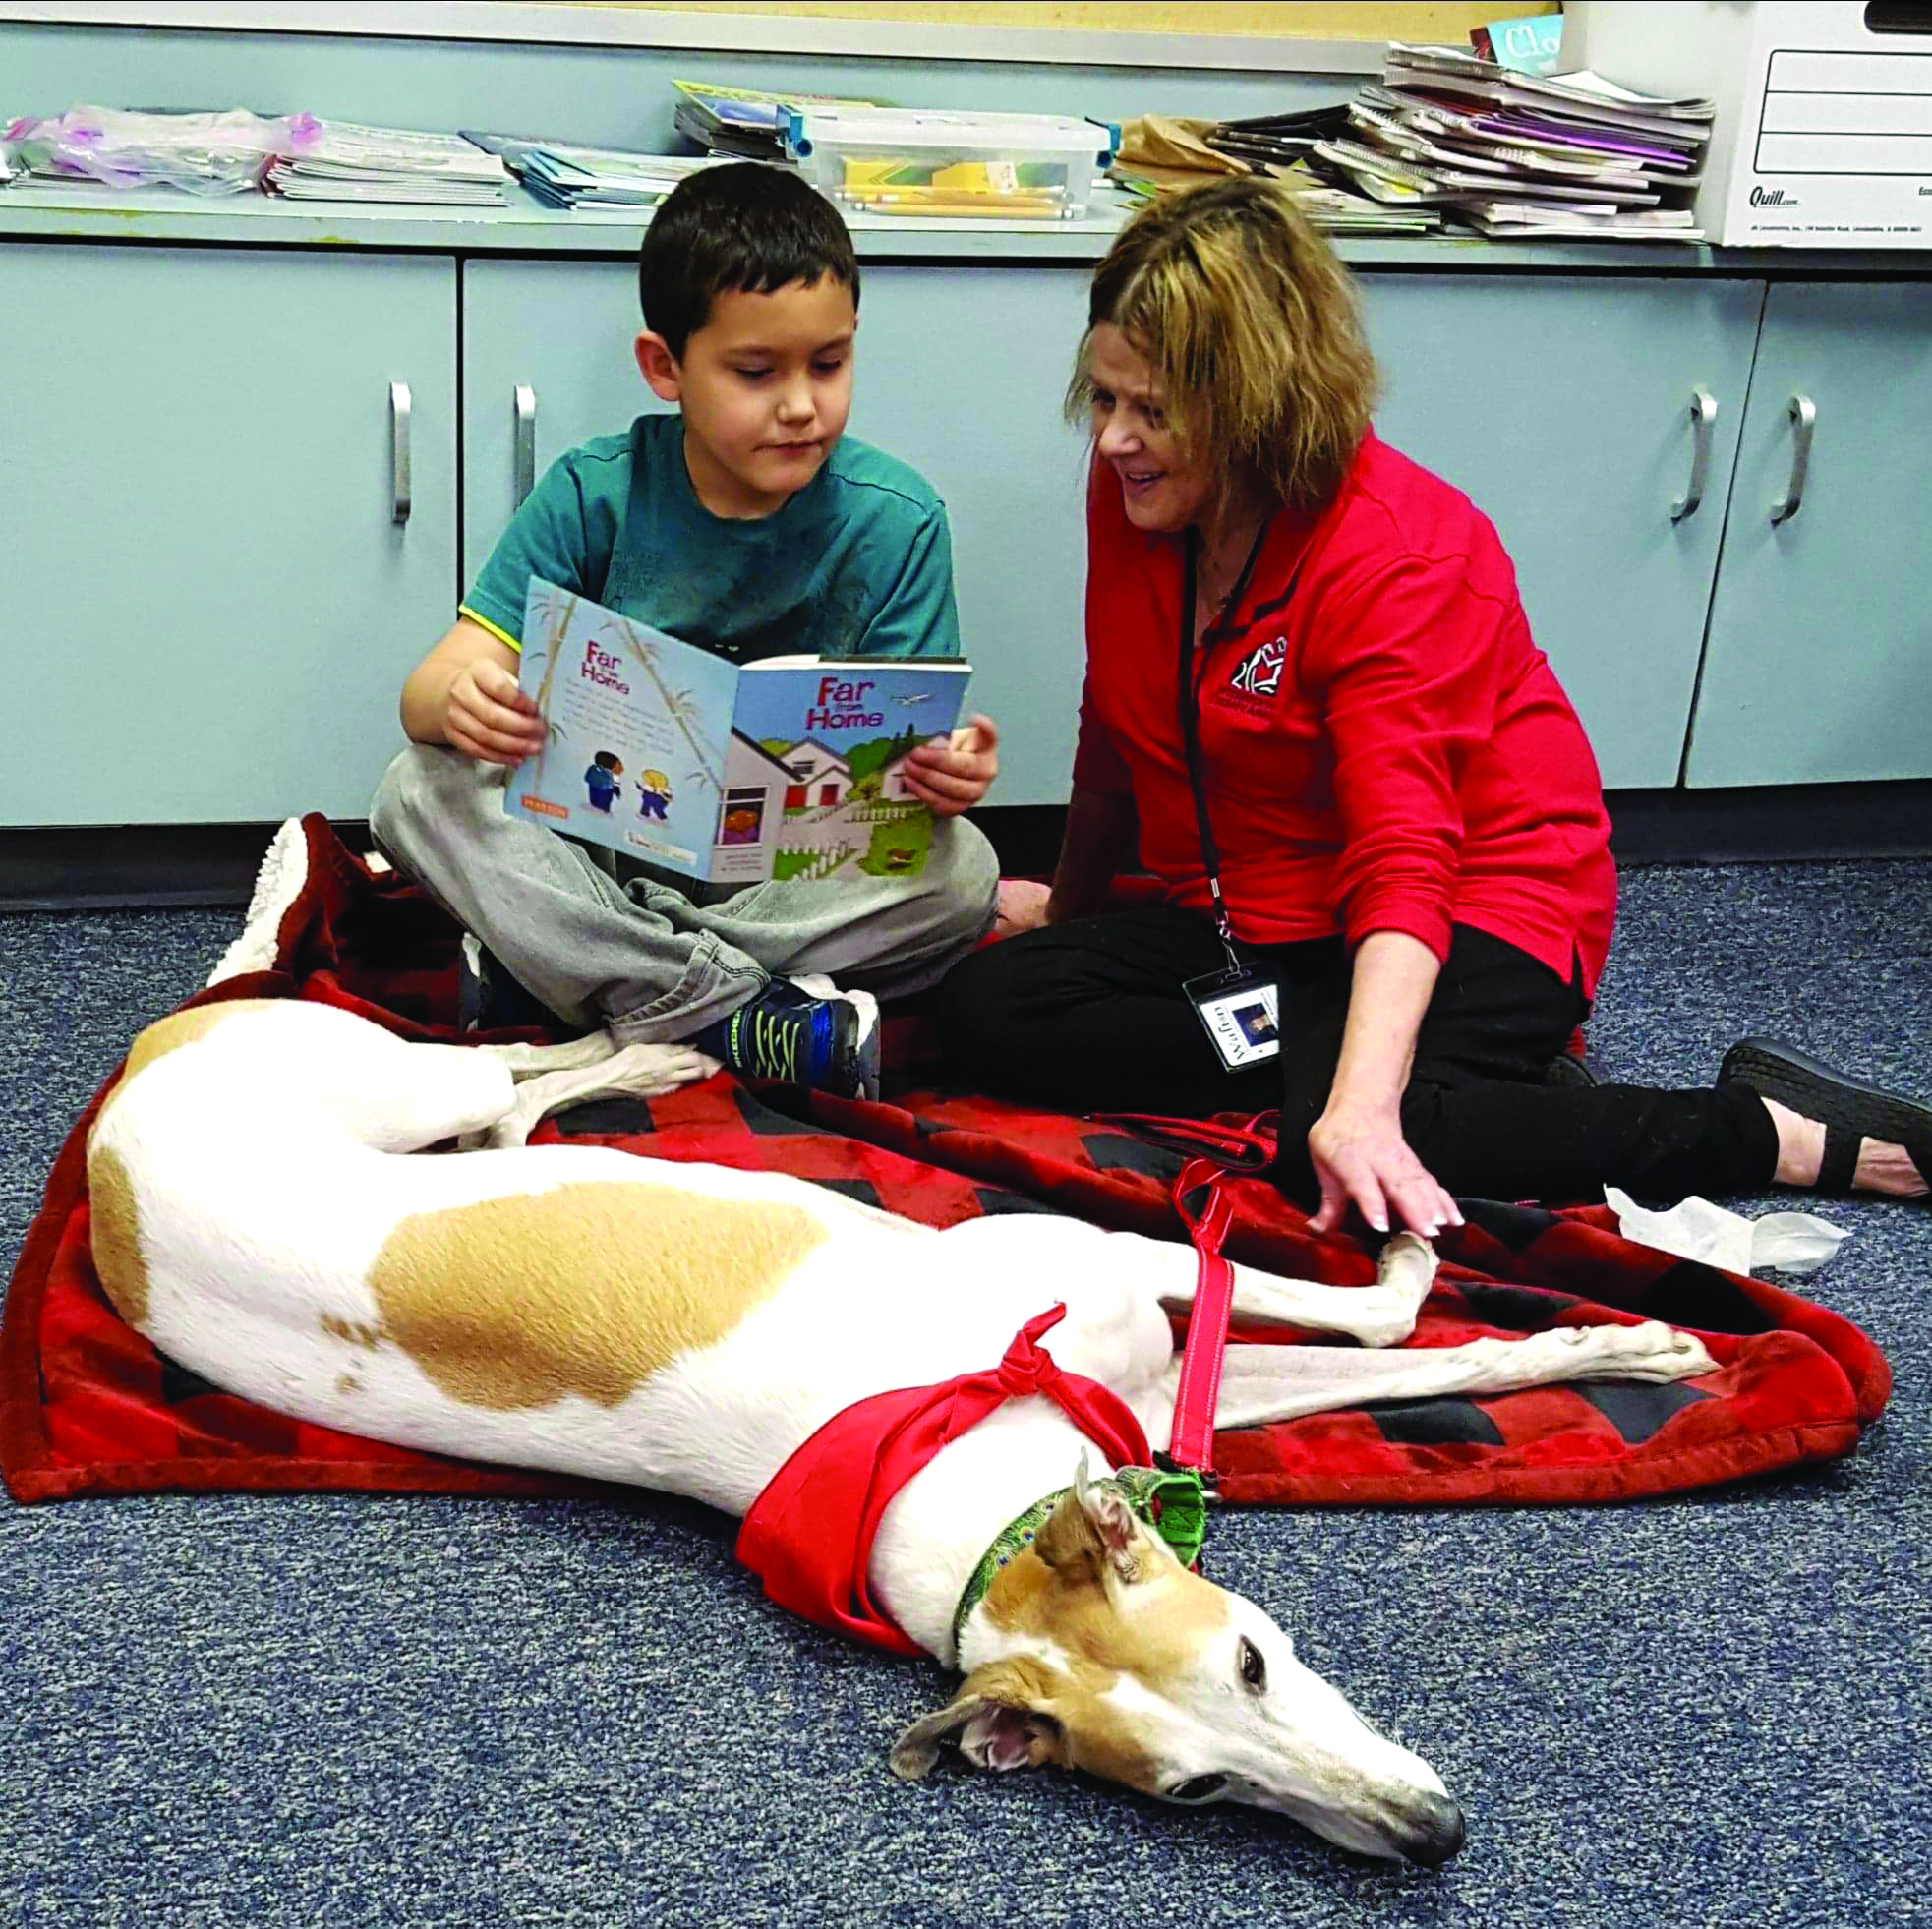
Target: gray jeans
<point>651,958</point>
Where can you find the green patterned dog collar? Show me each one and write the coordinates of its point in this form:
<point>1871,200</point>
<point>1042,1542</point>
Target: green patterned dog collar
<point>1174,1506</point>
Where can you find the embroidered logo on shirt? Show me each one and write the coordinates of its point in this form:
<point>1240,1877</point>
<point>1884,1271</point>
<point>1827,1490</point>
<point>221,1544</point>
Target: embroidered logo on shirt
<point>1255,682</point>
<point>1258,672</point>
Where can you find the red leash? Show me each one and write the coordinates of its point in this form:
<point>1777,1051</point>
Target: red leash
<point>1216,1151</point>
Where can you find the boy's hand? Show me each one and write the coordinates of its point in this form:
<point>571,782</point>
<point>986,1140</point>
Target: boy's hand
<point>952,774</point>
<point>488,717</point>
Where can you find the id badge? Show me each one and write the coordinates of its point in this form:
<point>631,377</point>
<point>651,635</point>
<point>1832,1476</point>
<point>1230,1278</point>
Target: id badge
<point>1240,1012</point>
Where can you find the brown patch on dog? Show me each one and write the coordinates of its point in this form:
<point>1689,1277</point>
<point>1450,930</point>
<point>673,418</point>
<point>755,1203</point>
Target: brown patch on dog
<point>356,1333</point>
<point>114,1221</point>
<point>589,1289</point>
<point>1150,1625</point>
<point>114,1227</point>
<point>1072,1723</point>
<point>169,1035</point>
<point>349,1383</point>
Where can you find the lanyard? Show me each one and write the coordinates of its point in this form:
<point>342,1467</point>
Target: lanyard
<point>1187,702</point>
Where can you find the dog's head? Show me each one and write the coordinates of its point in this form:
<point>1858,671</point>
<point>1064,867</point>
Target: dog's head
<point>1111,1657</point>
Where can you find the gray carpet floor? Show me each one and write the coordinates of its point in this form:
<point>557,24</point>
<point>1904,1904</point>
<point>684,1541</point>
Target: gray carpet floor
<point>355,1711</point>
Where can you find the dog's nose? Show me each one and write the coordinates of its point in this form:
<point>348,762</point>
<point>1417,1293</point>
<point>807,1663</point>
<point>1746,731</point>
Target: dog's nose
<point>1438,1828</point>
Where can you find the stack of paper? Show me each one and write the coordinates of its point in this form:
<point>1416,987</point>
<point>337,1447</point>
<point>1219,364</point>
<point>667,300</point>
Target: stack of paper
<point>1159,154</point>
<point>1272,141</point>
<point>563,175</point>
<point>388,164</point>
<point>744,123</point>
<point>214,154</point>
<point>1334,210</point>
<point>1516,153</point>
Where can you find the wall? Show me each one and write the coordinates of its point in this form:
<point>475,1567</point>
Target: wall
<point>1256,17</point>
<point>619,95</point>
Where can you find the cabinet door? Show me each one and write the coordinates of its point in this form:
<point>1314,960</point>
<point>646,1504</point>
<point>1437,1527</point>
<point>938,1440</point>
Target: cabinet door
<point>211,603</point>
<point>1560,405</point>
<point>1819,665</point>
<point>960,373</point>
<point>562,332</point>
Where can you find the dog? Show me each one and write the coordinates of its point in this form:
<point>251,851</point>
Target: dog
<point>268,1210</point>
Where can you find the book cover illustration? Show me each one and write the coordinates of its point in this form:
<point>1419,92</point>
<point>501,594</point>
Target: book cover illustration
<point>789,768</point>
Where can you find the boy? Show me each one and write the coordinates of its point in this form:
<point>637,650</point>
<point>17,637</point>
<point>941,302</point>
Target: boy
<point>743,524</point>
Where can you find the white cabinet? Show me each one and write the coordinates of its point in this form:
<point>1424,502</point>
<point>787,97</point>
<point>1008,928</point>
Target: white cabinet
<point>547,365</point>
<point>1563,407</point>
<point>1819,666</point>
<point>225,539</point>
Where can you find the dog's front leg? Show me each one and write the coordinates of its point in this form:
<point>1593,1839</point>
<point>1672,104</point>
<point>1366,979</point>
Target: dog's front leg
<point>1381,1314</point>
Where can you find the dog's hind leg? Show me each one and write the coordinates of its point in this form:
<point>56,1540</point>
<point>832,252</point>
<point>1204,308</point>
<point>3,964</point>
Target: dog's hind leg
<point>1378,1316</point>
<point>1265,1384</point>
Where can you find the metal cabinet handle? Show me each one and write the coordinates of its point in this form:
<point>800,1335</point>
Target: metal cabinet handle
<point>523,445</point>
<point>1703,417</point>
<point>1804,419</point>
<point>400,451</point>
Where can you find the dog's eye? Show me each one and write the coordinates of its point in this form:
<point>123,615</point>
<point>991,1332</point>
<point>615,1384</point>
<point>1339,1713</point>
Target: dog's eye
<point>1253,1669</point>
<point>1197,1788</point>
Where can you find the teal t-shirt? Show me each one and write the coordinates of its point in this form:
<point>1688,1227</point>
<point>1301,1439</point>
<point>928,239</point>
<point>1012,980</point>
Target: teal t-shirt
<point>859,562</point>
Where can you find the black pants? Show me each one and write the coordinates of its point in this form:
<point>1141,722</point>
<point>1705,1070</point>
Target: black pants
<point>1088,1017</point>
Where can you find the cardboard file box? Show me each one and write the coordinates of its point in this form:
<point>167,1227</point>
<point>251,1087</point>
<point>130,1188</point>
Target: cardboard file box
<point>1824,129</point>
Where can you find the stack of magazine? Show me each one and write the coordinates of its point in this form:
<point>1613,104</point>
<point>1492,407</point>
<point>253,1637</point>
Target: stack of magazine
<point>1512,153</point>
<point>562,174</point>
<point>742,123</point>
<point>350,162</point>
<point>1162,154</point>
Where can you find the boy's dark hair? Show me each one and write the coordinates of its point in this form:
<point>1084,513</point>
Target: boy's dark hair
<point>746,227</point>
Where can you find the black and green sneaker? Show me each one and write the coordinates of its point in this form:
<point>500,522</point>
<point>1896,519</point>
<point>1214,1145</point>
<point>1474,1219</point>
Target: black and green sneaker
<point>790,1034</point>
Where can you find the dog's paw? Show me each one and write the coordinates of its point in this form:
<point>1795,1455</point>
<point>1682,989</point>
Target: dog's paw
<point>1649,1351</point>
<point>669,1068</point>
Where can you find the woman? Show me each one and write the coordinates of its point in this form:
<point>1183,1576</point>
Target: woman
<point>1313,696</point>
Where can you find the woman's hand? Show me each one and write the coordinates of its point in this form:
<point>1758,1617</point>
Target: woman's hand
<point>1023,905</point>
<point>1360,1157</point>
<point>950,775</point>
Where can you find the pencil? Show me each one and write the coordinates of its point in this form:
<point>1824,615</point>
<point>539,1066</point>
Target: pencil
<point>991,210</point>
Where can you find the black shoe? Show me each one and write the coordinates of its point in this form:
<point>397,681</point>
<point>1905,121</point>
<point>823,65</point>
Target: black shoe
<point>789,1032</point>
<point>1847,1108</point>
<point>488,999</point>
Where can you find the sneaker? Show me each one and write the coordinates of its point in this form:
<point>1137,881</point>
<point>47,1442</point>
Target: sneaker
<point>488,999</point>
<point>801,1032</point>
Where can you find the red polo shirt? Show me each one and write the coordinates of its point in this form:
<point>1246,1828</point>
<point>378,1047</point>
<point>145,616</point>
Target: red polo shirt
<point>1385,748</point>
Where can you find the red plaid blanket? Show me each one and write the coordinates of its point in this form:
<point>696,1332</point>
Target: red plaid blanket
<point>87,1407</point>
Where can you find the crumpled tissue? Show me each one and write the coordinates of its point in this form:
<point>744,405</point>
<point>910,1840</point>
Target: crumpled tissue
<point>1782,1242</point>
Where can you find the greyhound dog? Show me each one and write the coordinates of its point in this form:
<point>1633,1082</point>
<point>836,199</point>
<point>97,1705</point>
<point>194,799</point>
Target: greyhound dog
<point>266,1212</point>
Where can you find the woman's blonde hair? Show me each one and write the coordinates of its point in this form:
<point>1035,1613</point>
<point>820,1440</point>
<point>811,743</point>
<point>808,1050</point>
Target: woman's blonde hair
<point>1252,324</point>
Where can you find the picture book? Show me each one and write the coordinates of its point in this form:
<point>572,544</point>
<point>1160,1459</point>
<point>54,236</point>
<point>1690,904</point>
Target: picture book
<point>791,767</point>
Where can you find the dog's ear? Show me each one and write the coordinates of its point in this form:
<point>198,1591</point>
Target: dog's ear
<point>1092,1526</point>
<point>999,1720</point>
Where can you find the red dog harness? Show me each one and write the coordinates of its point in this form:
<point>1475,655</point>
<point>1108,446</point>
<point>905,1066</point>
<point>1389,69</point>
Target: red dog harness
<point>810,1534</point>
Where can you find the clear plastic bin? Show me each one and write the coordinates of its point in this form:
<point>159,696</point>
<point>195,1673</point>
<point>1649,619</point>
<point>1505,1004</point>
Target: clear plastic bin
<point>920,162</point>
